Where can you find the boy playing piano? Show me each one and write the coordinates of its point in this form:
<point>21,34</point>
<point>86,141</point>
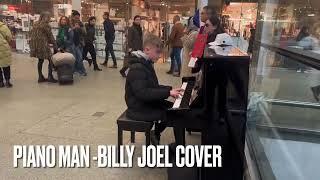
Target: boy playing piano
<point>145,98</point>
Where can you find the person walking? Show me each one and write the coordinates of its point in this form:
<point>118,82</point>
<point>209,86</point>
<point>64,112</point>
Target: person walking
<point>109,37</point>
<point>77,34</point>
<point>176,44</point>
<point>41,39</point>
<point>89,39</point>
<point>135,41</point>
<point>5,55</point>
<point>77,47</point>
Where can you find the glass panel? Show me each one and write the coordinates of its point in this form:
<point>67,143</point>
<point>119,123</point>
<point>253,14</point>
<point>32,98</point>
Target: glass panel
<point>239,20</point>
<point>283,113</point>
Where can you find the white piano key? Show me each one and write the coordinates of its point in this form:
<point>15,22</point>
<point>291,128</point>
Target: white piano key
<point>177,102</point>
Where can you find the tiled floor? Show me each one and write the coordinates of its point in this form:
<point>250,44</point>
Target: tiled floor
<point>83,113</point>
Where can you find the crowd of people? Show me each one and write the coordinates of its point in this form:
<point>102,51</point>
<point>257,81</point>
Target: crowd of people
<point>78,38</point>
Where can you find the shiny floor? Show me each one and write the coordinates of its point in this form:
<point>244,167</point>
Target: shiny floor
<point>82,113</point>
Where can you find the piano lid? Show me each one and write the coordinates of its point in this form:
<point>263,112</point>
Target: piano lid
<point>223,51</point>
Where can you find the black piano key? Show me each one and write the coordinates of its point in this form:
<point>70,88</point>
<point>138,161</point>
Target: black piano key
<point>187,95</point>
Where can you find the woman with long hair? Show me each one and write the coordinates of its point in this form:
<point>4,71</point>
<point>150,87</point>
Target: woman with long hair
<point>63,37</point>
<point>213,27</point>
<point>188,41</point>
<point>41,39</point>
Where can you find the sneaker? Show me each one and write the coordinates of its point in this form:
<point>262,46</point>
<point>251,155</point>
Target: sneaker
<point>176,74</point>
<point>1,84</point>
<point>315,93</point>
<point>8,85</point>
<point>52,80</point>
<point>97,69</point>
<point>42,80</point>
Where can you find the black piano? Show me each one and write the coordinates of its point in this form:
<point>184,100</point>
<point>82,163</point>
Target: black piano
<point>215,104</point>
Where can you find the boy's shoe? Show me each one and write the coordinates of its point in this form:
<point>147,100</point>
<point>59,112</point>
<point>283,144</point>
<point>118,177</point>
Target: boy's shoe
<point>1,84</point>
<point>42,79</point>
<point>8,84</point>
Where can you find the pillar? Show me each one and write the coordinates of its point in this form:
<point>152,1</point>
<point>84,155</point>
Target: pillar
<point>76,5</point>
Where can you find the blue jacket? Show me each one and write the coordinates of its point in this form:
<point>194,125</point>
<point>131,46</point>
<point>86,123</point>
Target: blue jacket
<point>109,30</point>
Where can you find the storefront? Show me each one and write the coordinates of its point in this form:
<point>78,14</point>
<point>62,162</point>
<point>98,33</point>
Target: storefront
<point>156,15</point>
<point>239,18</point>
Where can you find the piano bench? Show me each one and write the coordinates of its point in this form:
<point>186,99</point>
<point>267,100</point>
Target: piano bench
<point>127,124</point>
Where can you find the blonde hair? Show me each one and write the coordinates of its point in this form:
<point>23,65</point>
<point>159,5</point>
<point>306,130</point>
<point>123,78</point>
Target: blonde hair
<point>152,40</point>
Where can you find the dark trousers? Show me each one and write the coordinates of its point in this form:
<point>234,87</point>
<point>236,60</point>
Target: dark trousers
<point>175,59</point>
<point>109,49</point>
<point>90,48</point>
<point>50,65</point>
<point>6,72</point>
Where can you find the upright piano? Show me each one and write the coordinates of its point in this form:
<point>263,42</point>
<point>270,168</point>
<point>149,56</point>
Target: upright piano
<point>215,103</point>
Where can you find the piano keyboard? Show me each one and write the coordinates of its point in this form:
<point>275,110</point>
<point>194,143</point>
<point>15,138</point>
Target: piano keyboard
<point>178,101</point>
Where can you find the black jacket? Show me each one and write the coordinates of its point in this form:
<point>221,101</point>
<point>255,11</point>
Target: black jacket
<point>91,32</point>
<point>135,37</point>
<point>144,96</point>
<point>109,30</point>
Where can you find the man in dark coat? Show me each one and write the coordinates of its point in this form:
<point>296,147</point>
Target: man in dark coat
<point>89,40</point>
<point>144,96</point>
<point>109,37</point>
<point>135,36</point>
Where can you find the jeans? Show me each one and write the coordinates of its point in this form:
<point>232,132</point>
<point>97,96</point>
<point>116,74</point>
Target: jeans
<point>90,48</point>
<point>109,49</point>
<point>175,59</point>
<point>77,53</point>
<point>6,73</point>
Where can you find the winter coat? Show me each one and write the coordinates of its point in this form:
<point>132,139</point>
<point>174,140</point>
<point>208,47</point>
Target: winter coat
<point>63,38</point>
<point>144,96</point>
<point>176,35</point>
<point>5,50</point>
<point>91,32</point>
<point>79,35</point>
<point>40,39</point>
<point>135,37</point>
<point>188,43</point>
<point>109,30</point>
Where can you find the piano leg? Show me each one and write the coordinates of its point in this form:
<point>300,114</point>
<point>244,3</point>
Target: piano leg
<point>179,134</point>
